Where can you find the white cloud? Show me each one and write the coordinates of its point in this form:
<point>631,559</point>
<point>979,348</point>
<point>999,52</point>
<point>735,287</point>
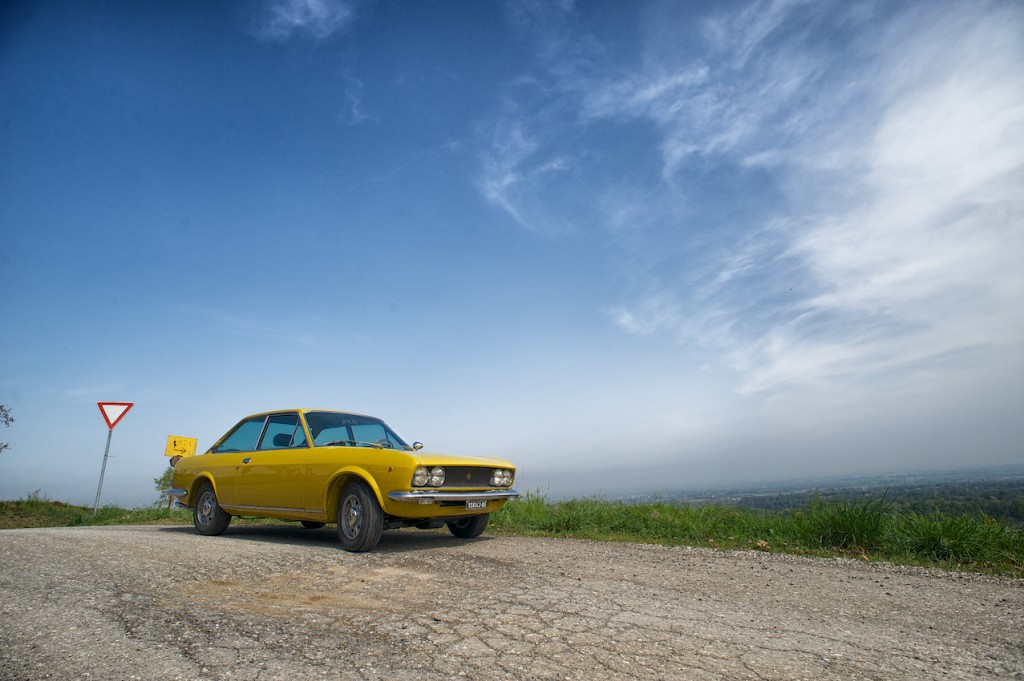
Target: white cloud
<point>503,166</point>
<point>655,312</point>
<point>723,101</point>
<point>896,142</point>
<point>518,164</point>
<point>740,34</point>
<point>317,19</point>
<point>353,114</point>
<point>919,259</point>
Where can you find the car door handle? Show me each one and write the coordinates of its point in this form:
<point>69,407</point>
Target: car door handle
<point>246,459</point>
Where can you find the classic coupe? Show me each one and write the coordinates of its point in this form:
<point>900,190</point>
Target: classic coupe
<point>318,467</point>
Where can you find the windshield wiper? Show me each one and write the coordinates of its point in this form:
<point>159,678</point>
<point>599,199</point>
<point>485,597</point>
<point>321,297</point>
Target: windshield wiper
<point>354,443</point>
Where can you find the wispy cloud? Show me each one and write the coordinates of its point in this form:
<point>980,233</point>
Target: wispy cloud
<point>503,163</point>
<point>918,260</point>
<point>281,20</point>
<point>518,163</point>
<point>528,147</point>
<point>353,113</point>
<point>741,34</point>
<point>724,101</point>
<point>892,139</point>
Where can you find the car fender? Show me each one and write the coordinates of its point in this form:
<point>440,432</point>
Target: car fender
<point>342,477</point>
<point>197,481</point>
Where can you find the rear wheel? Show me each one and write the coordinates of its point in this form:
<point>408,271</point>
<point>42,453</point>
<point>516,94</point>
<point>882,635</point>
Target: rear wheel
<point>360,520</point>
<point>467,528</point>
<point>207,515</point>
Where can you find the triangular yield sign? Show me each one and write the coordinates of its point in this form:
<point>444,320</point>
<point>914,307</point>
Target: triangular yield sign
<point>114,411</point>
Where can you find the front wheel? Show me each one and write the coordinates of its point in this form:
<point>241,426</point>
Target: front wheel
<point>360,520</point>
<point>467,528</point>
<point>207,515</point>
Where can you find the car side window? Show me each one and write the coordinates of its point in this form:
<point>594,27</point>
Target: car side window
<point>243,438</point>
<point>299,439</point>
<point>283,432</point>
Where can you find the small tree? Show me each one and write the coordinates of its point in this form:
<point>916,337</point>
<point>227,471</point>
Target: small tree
<point>163,483</point>
<point>7,420</point>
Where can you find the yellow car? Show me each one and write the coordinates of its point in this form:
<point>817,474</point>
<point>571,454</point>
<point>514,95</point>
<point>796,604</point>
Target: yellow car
<point>320,467</point>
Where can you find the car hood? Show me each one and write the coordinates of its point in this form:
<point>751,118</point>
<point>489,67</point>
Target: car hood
<point>439,459</point>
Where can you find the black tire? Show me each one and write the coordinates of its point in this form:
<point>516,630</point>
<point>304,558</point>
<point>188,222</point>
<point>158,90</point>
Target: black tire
<point>207,515</point>
<point>312,524</point>
<point>467,528</point>
<point>360,520</point>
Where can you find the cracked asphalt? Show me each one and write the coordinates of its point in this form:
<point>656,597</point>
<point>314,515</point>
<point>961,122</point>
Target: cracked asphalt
<point>159,602</point>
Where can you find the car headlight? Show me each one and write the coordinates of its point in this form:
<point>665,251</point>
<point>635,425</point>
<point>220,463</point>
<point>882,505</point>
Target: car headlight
<point>501,477</point>
<point>428,477</point>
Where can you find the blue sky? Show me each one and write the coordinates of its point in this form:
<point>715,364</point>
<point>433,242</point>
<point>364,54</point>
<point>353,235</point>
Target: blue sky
<point>630,246</point>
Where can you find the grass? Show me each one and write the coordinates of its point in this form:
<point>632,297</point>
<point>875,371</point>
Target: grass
<point>847,524</point>
<point>35,511</point>
<point>960,539</point>
<point>867,529</point>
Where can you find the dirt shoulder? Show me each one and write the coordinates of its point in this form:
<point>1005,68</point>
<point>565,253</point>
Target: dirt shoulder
<point>285,603</point>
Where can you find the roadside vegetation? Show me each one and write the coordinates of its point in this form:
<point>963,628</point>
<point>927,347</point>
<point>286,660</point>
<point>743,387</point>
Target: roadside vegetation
<point>866,529</point>
<point>35,511</point>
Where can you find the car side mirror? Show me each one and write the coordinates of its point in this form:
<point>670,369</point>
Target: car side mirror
<point>417,446</point>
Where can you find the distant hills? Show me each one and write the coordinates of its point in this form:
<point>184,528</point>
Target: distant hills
<point>995,492</point>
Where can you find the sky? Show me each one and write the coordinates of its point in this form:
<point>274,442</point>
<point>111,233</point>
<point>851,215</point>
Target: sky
<point>631,246</point>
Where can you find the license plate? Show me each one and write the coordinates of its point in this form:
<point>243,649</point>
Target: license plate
<point>470,505</point>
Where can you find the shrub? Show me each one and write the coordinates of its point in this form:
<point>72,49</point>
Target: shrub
<point>959,539</point>
<point>847,525</point>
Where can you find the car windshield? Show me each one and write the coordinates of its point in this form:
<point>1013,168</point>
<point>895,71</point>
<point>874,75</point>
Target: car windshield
<point>333,428</point>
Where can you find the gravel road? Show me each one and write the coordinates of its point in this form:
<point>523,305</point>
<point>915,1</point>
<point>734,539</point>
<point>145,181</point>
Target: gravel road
<point>286,603</point>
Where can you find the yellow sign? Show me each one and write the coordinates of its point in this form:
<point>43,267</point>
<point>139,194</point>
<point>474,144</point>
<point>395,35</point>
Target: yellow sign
<point>180,446</point>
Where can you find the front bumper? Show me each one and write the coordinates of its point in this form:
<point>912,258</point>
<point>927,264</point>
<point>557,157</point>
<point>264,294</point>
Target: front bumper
<point>431,497</point>
<point>174,493</point>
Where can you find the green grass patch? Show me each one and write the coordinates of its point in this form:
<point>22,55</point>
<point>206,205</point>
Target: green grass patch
<point>962,540</point>
<point>868,529</point>
<point>35,511</point>
<point>843,524</point>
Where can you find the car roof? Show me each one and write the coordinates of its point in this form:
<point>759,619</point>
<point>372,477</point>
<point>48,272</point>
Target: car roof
<point>302,410</point>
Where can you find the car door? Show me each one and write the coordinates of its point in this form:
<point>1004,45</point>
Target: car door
<point>224,459</point>
<point>271,478</point>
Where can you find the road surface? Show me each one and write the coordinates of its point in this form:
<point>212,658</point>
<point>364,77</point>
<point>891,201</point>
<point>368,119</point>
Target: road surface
<point>266,603</point>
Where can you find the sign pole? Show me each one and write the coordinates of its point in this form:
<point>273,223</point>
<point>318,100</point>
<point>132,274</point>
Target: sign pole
<point>112,413</point>
<point>103,470</point>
